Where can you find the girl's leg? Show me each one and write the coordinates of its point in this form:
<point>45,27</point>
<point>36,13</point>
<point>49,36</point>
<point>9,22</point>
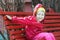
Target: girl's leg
<point>44,36</point>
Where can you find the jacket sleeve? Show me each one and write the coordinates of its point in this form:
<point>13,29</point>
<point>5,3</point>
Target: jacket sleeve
<point>18,20</point>
<point>21,20</point>
<point>26,21</point>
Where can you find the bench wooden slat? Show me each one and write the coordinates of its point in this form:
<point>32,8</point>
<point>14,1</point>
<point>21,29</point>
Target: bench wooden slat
<point>21,39</point>
<point>55,25</point>
<point>15,13</point>
<point>56,34</point>
<point>14,27</point>
<point>50,29</point>
<point>16,37</point>
<point>52,21</point>
<point>16,32</point>
<point>47,17</point>
<point>57,38</point>
<point>52,14</point>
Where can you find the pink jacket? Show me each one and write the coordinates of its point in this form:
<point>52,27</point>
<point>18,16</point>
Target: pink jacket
<point>32,27</point>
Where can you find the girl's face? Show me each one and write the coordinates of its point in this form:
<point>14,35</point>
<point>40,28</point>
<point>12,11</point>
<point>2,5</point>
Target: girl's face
<point>40,15</point>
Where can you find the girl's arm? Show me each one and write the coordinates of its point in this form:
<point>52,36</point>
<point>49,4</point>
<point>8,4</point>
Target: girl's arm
<point>19,20</point>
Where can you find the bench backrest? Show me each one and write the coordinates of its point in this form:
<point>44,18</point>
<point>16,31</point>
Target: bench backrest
<point>51,24</point>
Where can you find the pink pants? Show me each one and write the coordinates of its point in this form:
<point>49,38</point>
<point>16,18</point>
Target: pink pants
<point>47,36</point>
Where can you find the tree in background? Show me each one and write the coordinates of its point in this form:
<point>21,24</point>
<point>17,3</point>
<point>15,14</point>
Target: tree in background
<point>57,5</point>
<point>54,4</point>
<point>12,5</point>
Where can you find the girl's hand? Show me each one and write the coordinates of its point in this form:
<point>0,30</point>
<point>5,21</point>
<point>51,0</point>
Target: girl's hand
<point>9,17</point>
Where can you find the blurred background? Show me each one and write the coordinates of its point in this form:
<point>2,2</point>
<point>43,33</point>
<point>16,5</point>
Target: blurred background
<point>22,5</point>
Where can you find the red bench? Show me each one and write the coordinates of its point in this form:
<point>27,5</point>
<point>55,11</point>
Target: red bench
<point>51,24</point>
<point>15,31</point>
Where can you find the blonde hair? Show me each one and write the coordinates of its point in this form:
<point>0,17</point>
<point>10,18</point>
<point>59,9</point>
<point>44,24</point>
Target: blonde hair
<point>38,9</point>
